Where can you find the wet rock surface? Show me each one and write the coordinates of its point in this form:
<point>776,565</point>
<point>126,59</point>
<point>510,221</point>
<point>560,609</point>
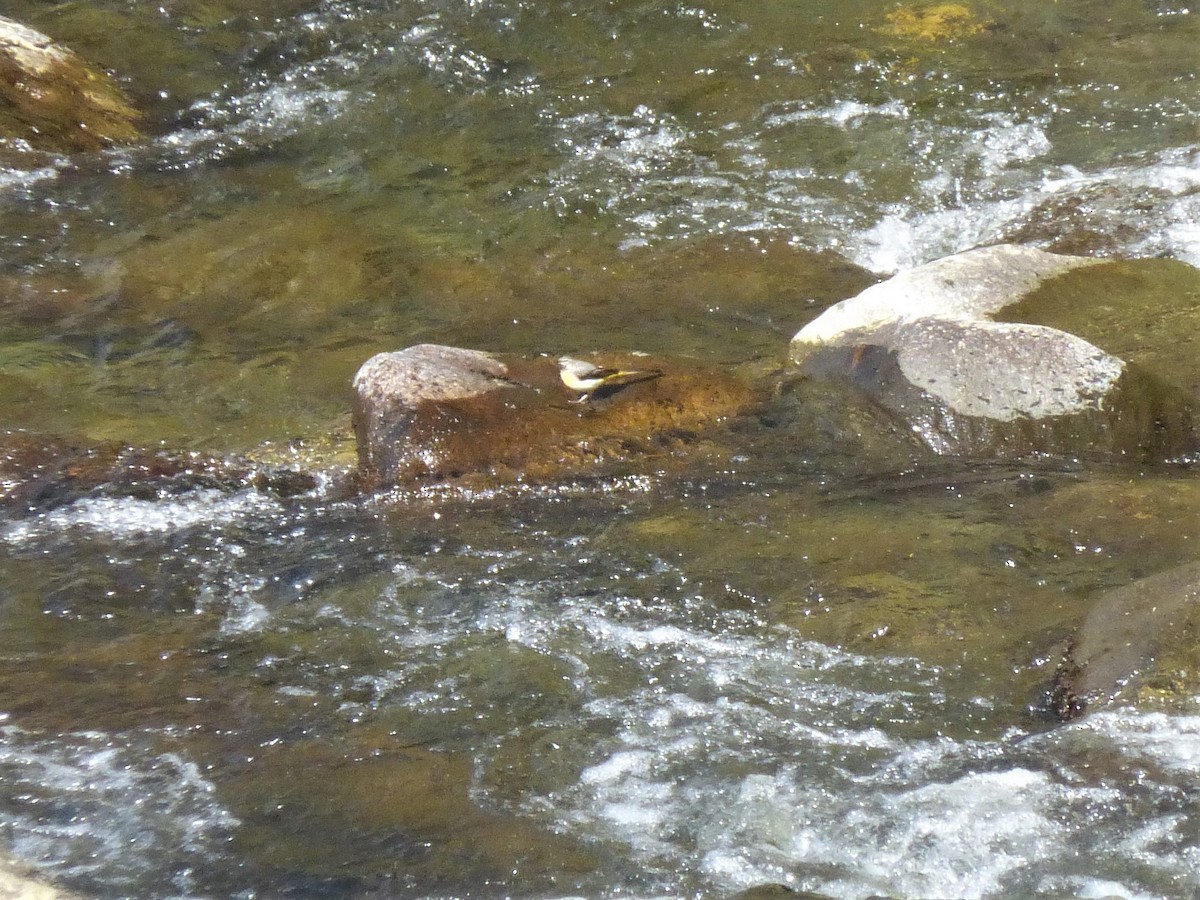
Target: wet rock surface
<point>926,346</point>
<point>1140,642</point>
<point>53,100</point>
<point>40,472</point>
<point>431,412</point>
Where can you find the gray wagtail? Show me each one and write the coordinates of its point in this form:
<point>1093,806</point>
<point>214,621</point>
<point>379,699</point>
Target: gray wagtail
<point>591,380</point>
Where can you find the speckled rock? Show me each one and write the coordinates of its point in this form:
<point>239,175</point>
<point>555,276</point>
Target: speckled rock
<point>927,346</point>
<point>391,390</point>
<point>430,413</point>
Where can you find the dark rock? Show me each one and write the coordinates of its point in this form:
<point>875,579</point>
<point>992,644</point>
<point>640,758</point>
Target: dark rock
<point>39,472</point>
<point>1138,641</point>
<point>53,100</point>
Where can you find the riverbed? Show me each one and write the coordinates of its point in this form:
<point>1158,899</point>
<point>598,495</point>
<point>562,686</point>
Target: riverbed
<point>817,661</point>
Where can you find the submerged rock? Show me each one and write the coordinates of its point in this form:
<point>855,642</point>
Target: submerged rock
<point>41,472</point>
<point>431,412</point>
<point>927,346</point>
<point>1139,642</point>
<point>936,23</point>
<point>425,800</point>
<point>52,100</point>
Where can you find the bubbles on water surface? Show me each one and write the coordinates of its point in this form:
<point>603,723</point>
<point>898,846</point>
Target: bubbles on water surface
<point>889,161</point>
<point>904,190</point>
<point>742,758</point>
<point>717,750</point>
<point>126,517</point>
<point>101,810</point>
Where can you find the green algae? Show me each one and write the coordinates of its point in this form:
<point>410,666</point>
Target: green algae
<point>1147,312</point>
<point>219,297</point>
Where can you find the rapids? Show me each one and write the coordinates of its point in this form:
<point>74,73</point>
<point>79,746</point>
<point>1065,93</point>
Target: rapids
<point>797,667</point>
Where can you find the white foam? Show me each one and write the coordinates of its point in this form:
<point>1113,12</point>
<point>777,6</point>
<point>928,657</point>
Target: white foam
<point>1084,888</point>
<point>741,760</point>
<point>124,517</point>
<point>268,113</point>
<point>617,767</point>
<point>1165,741</point>
<point>93,806</point>
<point>636,145</point>
<point>23,179</point>
<point>842,113</point>
<point>976,178</point>
<point>723,752</point>
<point>998,205</point>
<point>907,239</point>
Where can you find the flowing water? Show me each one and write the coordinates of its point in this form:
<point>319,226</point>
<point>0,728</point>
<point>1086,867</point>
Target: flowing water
<point>804,665</point>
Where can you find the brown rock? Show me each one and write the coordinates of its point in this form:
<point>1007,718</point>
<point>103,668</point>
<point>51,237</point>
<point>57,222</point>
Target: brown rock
<point>53,100</point>
<point>39,472</point>
<point>431,412</point>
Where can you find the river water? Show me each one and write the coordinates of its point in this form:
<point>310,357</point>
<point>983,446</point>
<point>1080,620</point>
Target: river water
<point>805,665</point>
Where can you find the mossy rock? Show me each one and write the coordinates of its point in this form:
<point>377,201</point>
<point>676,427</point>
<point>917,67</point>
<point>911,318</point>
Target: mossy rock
<point>431,413</point>
<point>52,100</point>
<point>936,23</point>
<point>1140,644</point>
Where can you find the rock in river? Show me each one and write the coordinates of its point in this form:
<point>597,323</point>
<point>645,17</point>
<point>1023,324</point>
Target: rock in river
<point>431,412</point>
<point>929,346</point>
<point>42,472</point>
<point>53,100</point>
<point>1139,642</point>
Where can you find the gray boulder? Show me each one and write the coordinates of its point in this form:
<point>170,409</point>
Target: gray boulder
<point>928,347</point>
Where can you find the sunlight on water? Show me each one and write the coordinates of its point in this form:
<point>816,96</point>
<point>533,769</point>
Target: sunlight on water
<point>743,758</point>
<point>96,806</point>
<point>125,517</point>
<point>599,687</point>
<point>755,762</point>
<point>718,749</point>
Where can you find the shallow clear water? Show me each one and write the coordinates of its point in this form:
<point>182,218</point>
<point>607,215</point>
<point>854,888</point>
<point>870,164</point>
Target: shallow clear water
<point>807,667</point>
<point>554,695</point>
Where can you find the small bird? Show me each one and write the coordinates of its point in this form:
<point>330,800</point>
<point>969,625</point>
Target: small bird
<point>592,380</point>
